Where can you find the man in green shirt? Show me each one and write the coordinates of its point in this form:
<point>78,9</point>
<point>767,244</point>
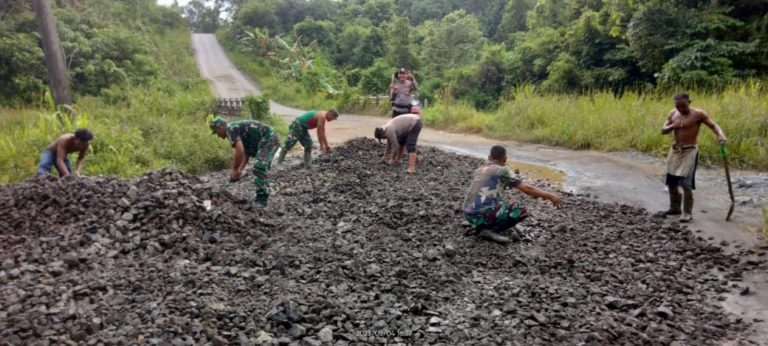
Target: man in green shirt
<point>250,138</point>
<point>299,132</point>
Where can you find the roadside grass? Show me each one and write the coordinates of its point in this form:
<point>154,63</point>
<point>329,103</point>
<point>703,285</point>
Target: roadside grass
<point>136,129</point>
<point>602,121</point>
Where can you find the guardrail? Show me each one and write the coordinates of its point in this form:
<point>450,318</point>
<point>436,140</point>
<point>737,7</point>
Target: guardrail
<point>230,106</point>
<point>233,106</point>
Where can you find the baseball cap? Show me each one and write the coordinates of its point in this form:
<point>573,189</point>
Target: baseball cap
<point>216,122</point>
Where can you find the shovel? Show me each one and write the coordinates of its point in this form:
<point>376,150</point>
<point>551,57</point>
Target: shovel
<point>724,154</point>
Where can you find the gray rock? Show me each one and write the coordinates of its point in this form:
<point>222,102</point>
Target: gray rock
<point>449,251</point>
<point>70,259</point>
<point>612,302</point>
<point>664,312</point>
<point>127,217</point>
<point>8,264</point>
<point>297,331</point>
<point>311,342</point>
<point>325,334</point>
<point>263,338</point>
<point>435,321</point>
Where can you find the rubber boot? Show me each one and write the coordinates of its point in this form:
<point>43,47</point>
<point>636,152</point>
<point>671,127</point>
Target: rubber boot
<point>308,159</point>
<point>260,202</point>
<point>687,206</point>
<point>675,199</point>
<point>281,156</point>
<point>493,236</point>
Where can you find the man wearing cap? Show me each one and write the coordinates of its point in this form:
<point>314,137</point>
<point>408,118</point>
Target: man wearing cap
<point>298,131</point>
<point>402,131</point>
<point>250,138</point>
<point>401,92</point>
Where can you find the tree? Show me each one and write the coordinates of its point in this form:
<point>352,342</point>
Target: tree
<point>399,49</point>
<point>551,14</point>
<point>358,47</point>
<point>259,14</point>
<point>316,30</point>
<point>513,19</point>
<point>202,17</point>
<point>379,11</point>
<point>454,41</point>
<point>563,76</point>
<point>653,33</point>
<point>54,56</point>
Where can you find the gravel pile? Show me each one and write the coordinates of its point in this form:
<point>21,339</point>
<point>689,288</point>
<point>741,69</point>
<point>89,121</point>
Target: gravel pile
<point>352,252</point>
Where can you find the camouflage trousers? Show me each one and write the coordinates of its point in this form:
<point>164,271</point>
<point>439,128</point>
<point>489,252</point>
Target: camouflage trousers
<point>500,218</point>
<point>267,148</point>
<point>298,133</point>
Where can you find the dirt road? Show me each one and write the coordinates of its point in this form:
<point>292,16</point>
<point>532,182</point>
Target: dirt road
<point>605,176</point>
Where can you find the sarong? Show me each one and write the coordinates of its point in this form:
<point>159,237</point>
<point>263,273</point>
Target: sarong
<point>682,162</point>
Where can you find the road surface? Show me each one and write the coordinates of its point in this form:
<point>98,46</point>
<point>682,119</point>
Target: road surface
<point>609,177</point>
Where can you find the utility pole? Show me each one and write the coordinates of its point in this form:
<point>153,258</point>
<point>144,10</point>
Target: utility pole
<point>54,56</point>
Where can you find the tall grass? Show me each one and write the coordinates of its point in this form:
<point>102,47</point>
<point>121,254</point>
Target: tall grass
<point>136,129</point>
<point>602,121</point>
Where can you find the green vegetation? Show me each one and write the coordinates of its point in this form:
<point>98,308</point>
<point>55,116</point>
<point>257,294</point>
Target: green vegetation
<point>288,92</point>
<point>153,115</point>
<point>603,121</point>
<point>290,87</point>
<point>584,74</point>
<point>484,49</point>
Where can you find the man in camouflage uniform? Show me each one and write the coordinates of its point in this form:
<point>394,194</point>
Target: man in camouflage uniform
<point>250,138</point>
<point>483,207</point>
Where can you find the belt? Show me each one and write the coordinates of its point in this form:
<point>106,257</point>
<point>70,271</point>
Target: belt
<point>684,146</point>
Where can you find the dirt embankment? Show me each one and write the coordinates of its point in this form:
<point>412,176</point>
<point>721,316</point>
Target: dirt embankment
<point>353,252</point>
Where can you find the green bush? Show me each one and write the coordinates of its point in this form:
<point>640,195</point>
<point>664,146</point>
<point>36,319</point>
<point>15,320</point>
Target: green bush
<point>257,107</point>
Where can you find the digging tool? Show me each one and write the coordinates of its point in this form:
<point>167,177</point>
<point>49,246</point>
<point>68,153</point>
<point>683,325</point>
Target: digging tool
<point>724,154</point>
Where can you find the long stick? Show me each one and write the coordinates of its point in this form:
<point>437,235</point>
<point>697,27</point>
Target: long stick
<point>724,153</point>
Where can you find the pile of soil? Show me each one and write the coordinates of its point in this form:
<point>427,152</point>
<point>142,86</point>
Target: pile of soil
<point>351,252</point>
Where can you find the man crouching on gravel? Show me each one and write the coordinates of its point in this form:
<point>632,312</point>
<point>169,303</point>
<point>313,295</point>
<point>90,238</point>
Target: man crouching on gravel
<point>402,131</point>
<point>250,138</point>
<point>482,205</point>
<point>56,154</point>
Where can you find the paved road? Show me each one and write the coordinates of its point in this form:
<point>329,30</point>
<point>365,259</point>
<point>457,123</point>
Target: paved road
<point>611,177</point>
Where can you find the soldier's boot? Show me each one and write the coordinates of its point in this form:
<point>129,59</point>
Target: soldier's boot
<point>308,159</point>
<point>281,156</point>
<point>260,202</point>
<point>493,236</point>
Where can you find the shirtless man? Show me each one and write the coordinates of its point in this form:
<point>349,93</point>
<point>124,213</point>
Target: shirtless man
<point>56,154</point>
<point>298,131</point>
<point>682,160</point>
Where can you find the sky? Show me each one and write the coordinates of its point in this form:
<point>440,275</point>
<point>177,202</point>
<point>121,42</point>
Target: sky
<point>170,2</point>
